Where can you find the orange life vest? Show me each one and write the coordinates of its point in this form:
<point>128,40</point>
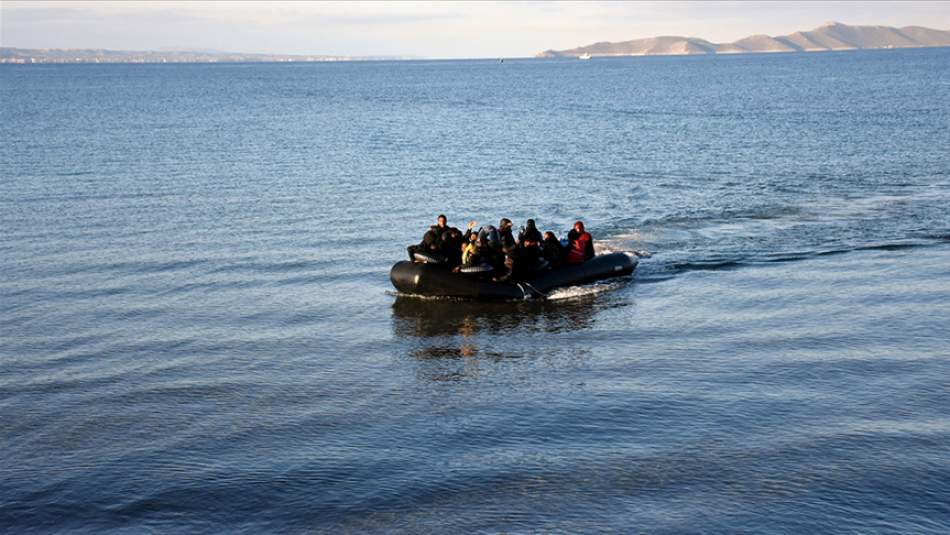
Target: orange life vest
<point>578,252</point>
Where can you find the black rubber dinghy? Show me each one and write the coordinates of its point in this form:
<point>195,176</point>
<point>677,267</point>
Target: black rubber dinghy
<point>435,280</point>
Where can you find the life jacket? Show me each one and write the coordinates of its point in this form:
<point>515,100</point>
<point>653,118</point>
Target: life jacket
<point>578,252</point>
<point>468,252</point>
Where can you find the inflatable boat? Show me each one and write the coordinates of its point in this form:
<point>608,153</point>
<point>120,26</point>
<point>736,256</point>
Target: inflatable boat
<point>436,280</point>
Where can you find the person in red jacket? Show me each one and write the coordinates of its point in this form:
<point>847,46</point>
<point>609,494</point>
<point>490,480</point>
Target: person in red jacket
<point>580,244</point>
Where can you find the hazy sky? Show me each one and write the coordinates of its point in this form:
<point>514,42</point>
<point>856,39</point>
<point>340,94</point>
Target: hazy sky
<point>426,29</point>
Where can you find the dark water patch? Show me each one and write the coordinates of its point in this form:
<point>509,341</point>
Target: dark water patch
<point>724,215</point>
<point>707,265</point>
<point>943,237</point>
<point>876,247</point>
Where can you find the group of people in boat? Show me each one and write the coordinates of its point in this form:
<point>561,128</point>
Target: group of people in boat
<point>494,252</point>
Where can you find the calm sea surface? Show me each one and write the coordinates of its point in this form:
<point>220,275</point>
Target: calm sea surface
<point>198,333</point>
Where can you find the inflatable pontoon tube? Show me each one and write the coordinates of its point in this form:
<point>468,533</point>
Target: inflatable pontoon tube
<point>437,281</point>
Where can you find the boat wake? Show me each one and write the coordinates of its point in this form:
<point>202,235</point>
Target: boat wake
<point>585,291</point>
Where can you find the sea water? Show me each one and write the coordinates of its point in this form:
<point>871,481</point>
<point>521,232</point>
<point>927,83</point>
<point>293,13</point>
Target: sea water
<point>198,333</point>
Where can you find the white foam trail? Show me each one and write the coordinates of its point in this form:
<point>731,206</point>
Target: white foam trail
<point>577,292</point>
<point>623,243</point>
<point>634,235</point>
<point>601,247</point>
<point>607,247</point>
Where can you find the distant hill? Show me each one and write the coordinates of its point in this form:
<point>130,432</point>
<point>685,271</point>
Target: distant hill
<point>831,36</point>
<point>58,55</point>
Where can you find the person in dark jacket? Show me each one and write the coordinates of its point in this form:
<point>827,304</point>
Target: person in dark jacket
<point>552,250</point>
<point>580,244</point>
<point>450,245</point>
<point>490,233</point>
<point>431,241</point>
<point>489,254</point>
<point>506,236</point>
<point>521,257</point>
<point>508,270</point>
<point>529,248</point>
<point>530,236</point>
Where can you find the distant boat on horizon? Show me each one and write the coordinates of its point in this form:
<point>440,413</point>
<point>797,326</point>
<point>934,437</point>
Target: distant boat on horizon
<point>585,55</point>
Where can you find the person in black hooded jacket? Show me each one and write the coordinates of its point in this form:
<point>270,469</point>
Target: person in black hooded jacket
<point>529,236</point>
<point>431,240</point>
<point>450,245</point>
<point>552,250</point>
<point>524,258</point>
<point>529,246</point>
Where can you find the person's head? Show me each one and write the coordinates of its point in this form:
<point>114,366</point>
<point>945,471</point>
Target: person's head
<point>473,237</point>
<point>579,226</point>
<point>504,223</point>
<point>455,233</point>
<point>442,220</point>
<point>549,236</point>
<point>529,224</point>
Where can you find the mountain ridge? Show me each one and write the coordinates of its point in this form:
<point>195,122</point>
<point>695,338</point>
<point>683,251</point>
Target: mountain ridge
<point>829,36</point>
